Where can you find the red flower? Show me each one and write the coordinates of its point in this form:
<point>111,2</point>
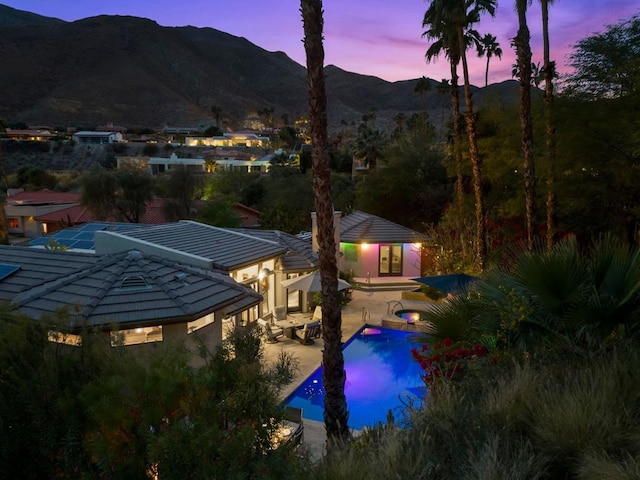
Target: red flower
<point>447,342</point>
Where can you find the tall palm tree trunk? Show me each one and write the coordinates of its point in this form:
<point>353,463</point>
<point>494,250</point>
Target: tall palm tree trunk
<point>550,129</point>
<point>476,162</point>
<point>523,52</point>
<point>457,131</point>
<point>335,404</point>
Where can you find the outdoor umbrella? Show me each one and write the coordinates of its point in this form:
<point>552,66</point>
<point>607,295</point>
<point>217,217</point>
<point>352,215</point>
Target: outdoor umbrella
<point>453,283</point>
<point>310,282</point>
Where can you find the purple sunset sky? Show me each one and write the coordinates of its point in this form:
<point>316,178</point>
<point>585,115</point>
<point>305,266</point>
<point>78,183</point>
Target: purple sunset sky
<point>369,37</point>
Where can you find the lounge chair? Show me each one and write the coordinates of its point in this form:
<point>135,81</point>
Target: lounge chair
<point>310,331</point>
<point>271,332</point>
<point>293,418</point>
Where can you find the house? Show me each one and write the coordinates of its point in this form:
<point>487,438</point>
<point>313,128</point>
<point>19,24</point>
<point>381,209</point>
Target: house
<point>257,259</point>
<point>23,209</point>
<point>97,138</point>
<point>134,298</point>
<point>372,247</point>
<point>31,134</point>
<point>230,139</point>
<point>160,165</point>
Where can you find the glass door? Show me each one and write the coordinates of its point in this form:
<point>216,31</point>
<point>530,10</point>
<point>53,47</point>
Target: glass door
<point>390,261</point>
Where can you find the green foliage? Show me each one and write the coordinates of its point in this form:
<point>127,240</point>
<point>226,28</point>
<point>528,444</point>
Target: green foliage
<point>100,412</point>
<point>607,64</point>
<point>564,296</point>
<point>411,188</point>
<point>219,213</point>
<point>179,188</point>
<point>121,194</point>
<point>34,178</point>
<point>554,416</point>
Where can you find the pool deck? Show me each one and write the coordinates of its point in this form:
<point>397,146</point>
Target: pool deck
<point>365,307</point>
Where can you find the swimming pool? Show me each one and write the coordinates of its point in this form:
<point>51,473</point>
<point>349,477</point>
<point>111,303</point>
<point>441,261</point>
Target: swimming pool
<point>381,374</point>
<point>412,316</point>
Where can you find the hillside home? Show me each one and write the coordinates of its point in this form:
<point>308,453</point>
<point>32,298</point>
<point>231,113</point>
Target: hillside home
<point>97,138</point>
<point>32,135</point>
<point>230,139</point>
<point>23,209</point>
<point>160,165</point>
<point>135,298</point>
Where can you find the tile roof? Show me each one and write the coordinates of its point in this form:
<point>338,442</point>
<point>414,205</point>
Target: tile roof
<point>43,196</point>
<point>130,288</point>
<point>360,227</point>
<point>221,248</point>
<point>299,255</point>
<point>38,266</point>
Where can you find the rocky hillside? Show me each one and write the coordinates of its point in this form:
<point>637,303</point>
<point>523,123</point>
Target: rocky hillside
<point>133,72</point>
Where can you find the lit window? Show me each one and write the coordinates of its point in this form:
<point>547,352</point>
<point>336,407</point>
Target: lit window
<point>65,338</point>
<point>201,322</point>
<point>135,336</point>
<point>14,224</point>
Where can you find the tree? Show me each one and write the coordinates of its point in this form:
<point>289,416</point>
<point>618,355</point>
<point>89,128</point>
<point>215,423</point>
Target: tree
<point>489,47</point>
<point>523,52</point>
<point>179,188</point>
<point>606,64</point>
<point>336,414</point>
<point>122,194</point>
<point>549,72</point>
<point>216,111</point>
<point>443,16</point>
<point>446,40</point>
<point>423,86</point>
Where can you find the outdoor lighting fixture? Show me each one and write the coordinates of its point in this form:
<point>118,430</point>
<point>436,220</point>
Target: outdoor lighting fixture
<point>264,273</point>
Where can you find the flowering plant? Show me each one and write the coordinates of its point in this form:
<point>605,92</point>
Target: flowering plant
<point>446,360</point>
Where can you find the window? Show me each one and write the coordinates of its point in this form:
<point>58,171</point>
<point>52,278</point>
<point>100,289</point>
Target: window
<point>134,336</point>
<point>14,224</point>
<point>65,338</point>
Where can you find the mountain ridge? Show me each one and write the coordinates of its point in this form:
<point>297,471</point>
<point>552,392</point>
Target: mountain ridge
<point>132,71</point>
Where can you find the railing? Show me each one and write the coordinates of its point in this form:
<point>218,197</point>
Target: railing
<point>392,304</point>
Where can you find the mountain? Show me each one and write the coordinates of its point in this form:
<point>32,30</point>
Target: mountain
<point>132,71</point>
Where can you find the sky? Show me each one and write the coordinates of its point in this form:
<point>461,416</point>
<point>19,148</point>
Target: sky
<point>382,38</point>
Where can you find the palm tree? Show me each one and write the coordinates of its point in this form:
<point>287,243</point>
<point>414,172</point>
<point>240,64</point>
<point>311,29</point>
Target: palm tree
<point>489,47</point>
<point>336,414</point>
<point>423,85</point>
<point>549,73</point>
<point>445,41</point>
<point>523,52</point>
<point>445,15</point>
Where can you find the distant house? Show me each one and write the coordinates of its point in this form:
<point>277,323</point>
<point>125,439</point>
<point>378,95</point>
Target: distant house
<point>135,298</point>
<point>23,209</point>
<point>160,165</point>
<point>231,139</point>
<point>33,135</point>
<point>96,138</point>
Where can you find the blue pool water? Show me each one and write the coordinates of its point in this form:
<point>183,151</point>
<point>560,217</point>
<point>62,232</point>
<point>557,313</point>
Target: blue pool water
<point>381,374</point>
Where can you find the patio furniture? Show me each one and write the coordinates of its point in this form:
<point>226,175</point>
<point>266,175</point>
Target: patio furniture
<point>308,333</point>
<point>280,312</point>
<point>293,419</point>
<point>271,332</point>
<point>292,323</point>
